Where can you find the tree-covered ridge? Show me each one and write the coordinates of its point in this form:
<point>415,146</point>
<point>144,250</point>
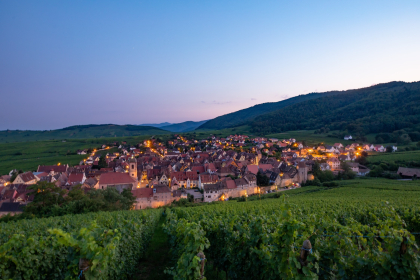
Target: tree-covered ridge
<point>381,108</point>
<point>241,116</point>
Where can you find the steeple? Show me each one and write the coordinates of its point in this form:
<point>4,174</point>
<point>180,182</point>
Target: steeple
<point>133,167</point>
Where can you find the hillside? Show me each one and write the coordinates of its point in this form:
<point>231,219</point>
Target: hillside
<point>183,127</point>
<point>244,115</point>
<point>78,132</point>
<point>380,108</point>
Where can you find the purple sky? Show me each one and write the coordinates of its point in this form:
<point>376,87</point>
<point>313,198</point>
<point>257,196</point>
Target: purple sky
<point>65,63</point>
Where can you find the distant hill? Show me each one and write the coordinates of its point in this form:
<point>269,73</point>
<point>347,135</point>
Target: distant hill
<point>78,132</point>
<point>183,127</point>
<point>243,116</point>
<point>381,108</point>
<point>157,124</point>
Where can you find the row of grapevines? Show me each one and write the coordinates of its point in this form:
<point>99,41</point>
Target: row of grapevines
<point>50,248</point>
<point>262,240</point>
<point>187,240</point>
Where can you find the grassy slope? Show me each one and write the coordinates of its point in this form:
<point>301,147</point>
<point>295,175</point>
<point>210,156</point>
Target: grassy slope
<point>309,137</point>
<point>53,152</point>
<point>79,132</point>
<point>397,156</point>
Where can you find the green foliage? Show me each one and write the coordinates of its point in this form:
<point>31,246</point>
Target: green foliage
<point>239,117</point>
<point>354,234</point>
<point>102,162</point>
<point>49,201</point>
<point>187,239</point>
<point>78,132</point>
<point>382,108</point>
<point>112,243</point>
<point>262,179</point>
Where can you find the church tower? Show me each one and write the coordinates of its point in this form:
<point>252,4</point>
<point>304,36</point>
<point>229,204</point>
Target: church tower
<point>133,167</point>
<point>302,172</point>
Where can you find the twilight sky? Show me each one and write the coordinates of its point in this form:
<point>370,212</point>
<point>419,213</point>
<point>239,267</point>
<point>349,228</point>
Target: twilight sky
<point>75,62</point>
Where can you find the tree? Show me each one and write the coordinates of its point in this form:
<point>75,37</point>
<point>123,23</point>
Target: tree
<point>102,162</point>
<point>45,196</point>
<point>262,179</point>
<point>389,149</point>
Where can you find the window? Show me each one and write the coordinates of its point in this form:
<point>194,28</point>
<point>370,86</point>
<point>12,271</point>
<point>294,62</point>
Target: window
<point>132,166</point>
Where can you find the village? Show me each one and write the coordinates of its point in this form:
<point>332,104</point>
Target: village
<point>205,170</point>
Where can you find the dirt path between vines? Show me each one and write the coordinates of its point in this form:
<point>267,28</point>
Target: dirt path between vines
<point>157,258</point>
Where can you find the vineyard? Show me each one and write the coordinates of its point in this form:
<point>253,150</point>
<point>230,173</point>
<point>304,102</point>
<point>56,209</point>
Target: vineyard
<point>104,245</point>
<point>362,229</point>
<point>365,229</point>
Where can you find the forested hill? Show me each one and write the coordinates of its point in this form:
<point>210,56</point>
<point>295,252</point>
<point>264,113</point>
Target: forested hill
<point>380,108</point>
<point>78,132</point>
<point>244,115</point>
<point>183,127</point>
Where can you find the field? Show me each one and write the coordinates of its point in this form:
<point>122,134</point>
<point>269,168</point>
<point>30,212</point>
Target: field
<point>309,137</point>
<point>28,155</point>
<point>79,132</point>
<point>204,133</point>
<point>397,156</point>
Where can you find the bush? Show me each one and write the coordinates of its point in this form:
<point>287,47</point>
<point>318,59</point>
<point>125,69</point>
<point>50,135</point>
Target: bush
<point>314,182</point>
<point>330,184</point>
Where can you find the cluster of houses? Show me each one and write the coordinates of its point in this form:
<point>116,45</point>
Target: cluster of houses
<point>205,170</point>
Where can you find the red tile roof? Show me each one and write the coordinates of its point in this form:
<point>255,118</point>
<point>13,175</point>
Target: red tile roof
<point>114,178</point>
<point>55,168</point>
<point>200,169</point>
<point>75,178</point>
<point>27,176</point>
<point>142,193</point>
<point>252,168</point>
<point>265,167</point>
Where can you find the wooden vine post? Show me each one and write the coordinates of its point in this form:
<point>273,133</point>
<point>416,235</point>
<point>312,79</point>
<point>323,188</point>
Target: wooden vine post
<point>403,247</point>
<point>203,259</point>
<point>83,267</point>
<point>304,253</point>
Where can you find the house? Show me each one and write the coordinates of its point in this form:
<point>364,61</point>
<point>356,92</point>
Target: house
<point>159,195</point>
<point>265,167</point>
<point>379,148</point>
<point>11,208</point>
<point>251,168</point>
<point>338,146</point>
<point>393,148</point>
<point>27,178</point>
<point>334,163</point>
<point>354,166</point>
<point>408,172</point>
<point>91,183</point>
<point>228,188</point>
<point>4,180</point>
<point>76,179</point>
<point>324,166</point>
<point>367,147</point>
<point>116,180</point>
<point>329,149</point>
<point>53,168</point>
<point>197,195</point>
<point>348,137</point>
